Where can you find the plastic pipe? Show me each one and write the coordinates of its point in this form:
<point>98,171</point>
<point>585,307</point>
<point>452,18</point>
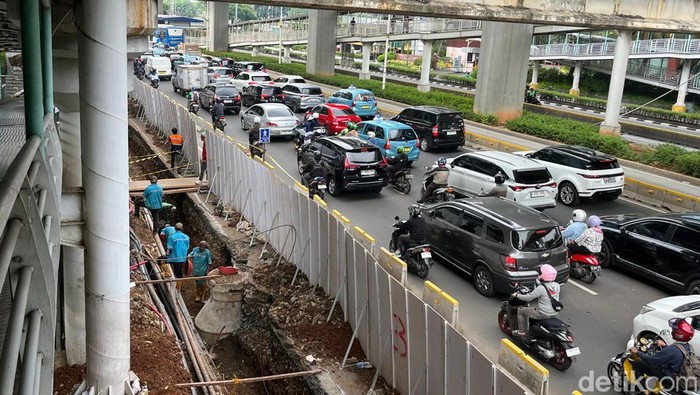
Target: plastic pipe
<point>13,337</point>
<point>30,353</point>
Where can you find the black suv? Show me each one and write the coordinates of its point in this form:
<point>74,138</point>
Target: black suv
<point>496,241</point>
<point>349,163</point>
<point>254,94</point>
<point>227,93</point>
<point>663,248</point>
<point>239,67</point>
<point>435,126</point>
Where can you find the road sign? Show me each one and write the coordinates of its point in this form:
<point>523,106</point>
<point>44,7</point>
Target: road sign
<point>264,135</point>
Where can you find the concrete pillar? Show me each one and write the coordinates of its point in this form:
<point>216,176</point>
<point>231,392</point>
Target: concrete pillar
<point>102,25</point>
<point>610,125</point>
<point>366,54</point>
<point>683,86</point>
<point>346,58</point>
<point>257,50</point>
<point>66,98</point>
<point>287,58</point>
<point>535,74</point>
<point>503,63</point>
<point>577,77</point>
<point>223,308</point>
<point>424,83</point>
<point>217,26</point>
<point>322,39</point>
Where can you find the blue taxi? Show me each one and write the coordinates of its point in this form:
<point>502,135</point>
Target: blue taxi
<point>361,101</point>
<point>390,135</point>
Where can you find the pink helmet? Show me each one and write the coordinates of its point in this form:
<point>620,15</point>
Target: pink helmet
<point>548,273</point>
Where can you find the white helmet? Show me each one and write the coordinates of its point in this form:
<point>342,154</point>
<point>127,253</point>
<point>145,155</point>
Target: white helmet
<point>579,215</point>
<point>315,115</point>
<point>256,120</point>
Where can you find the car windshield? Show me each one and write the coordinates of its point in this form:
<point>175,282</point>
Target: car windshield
<point>365,97</point>
<point>226,91</point>
<point>537,176</point>
<point>537,240</point>
<point>261,78</point>
<point>402,134</point>
<point>603,164</point>
<point>341,112</point>
<point>312,91</point>
<point>279,112</point>
<point>364,155</point>
<point>450,121</point>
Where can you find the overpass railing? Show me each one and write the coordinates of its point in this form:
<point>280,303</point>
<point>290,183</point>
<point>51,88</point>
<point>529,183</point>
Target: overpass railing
<point>638,68</point>
<point>29,253</point>
<point>662,47</point>
<point>411,340</point>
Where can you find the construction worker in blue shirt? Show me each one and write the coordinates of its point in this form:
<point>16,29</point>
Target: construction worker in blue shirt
<point>167,231</point>
<point>178,245</point>
<point>153,200</point>
<point>201,259</point>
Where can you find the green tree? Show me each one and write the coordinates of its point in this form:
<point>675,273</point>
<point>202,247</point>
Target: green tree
<point>246,12</point>
<point>191,8</point>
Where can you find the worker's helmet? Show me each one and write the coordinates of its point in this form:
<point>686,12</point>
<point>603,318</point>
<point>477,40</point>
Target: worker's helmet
<point>315,115</point>
<point>579,215</point>
<point>399,150</point>
<point>681,330</point>
<point>441,161</point>
<point>499,178</point>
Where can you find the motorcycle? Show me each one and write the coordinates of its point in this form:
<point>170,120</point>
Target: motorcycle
<point>220,123</point>
<point>257,149</point>
<point>194,107</point>
<point>300,137</point>
<point>317,186</point>
<point>401,180</point>
<point>585,267</point>
<point>140,74</point>
<point>444,194</point>
<point>550,338</point>
<point>418,258</point>
<point>155,82</point>
<point>534,98</point>
<point>621,373</point>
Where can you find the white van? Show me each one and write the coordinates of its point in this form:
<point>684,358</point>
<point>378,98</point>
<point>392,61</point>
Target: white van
<point>162,66</point>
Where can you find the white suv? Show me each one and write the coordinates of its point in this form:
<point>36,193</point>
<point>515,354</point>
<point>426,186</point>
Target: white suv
<point>529,183</point>
<point>246,78</point>
<point>581,172</point>
<point>652,320</point>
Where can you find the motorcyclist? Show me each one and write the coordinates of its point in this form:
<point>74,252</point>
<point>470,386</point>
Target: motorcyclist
<point>378,116</point>
<point>498,190</point>
<point>410,232</point>
<point>575,227</point>
<point>396,163</point>
<point>440,174</point>
<point>312,123</point>
<point>193,95</point>
<point>253,137</point>
<point>312,170</point>
<point>547,286</point>
<point>350,130</point>
<point>217,111</point>
<point>153,76</point>
<point>665,363</point>
<point>590,240</point>
<point>138,65</point>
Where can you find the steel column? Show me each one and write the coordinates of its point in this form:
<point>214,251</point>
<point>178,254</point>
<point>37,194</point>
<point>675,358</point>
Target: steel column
<point>47,59</point>
<point>31,69</point>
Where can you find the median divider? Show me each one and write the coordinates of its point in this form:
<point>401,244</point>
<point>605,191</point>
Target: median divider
<point>631,188</point>
<point>364,238</point>
<point>676,201</point>
<point>650,194</point>
<point>269,166</point>
<point>393,265</point>
<point>492,143</point>
<point>523,367</point>
<point>444,304</point>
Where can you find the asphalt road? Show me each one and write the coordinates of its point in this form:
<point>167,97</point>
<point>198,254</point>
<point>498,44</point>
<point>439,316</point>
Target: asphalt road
<point>600,314</point>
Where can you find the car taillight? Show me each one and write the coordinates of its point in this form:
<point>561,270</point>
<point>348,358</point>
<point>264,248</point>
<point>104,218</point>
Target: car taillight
<point>216,75</point>
<point>237,98</point>
<point>252,83</point>
<point>271,124</point>
<point>349,165</point>
<point>383,162</point>
<point>516,188</point>
<point>418,143</point>
<point>281,96</point>
<point>435,131</point>
<point>510,263</point>
<point>551,184</point>
<point>387,145</point>
<point>264,96</point>
<point>354,103</point>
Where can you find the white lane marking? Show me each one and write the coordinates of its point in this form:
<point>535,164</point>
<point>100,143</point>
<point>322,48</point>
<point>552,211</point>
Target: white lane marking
<point>574,283</point>
<point>641,204</point>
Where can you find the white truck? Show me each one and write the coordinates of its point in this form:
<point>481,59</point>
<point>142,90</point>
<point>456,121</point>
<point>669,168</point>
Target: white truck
<point>189,76</point>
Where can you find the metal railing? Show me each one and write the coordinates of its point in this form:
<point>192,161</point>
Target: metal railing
<point>641,48</point>
<point>29,254</point>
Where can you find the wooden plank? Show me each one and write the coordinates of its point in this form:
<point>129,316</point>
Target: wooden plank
<point>165,183</point>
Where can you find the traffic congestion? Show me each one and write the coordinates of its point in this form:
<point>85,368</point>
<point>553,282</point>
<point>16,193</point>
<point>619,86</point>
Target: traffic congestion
<point>537,245</point>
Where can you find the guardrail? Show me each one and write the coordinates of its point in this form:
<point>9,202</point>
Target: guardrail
<point>29,254</point>
<point>416,349</point>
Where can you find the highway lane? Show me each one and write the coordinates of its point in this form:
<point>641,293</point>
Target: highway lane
<point>600,314</point>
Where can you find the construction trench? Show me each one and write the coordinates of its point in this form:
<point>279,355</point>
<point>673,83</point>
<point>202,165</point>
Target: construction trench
<point>282,326</point>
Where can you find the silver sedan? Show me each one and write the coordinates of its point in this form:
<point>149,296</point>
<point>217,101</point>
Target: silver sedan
<point>275,116</point>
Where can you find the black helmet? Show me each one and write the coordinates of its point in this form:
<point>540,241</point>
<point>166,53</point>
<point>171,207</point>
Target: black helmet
<point>414,210</point>
<point>317,155</point>
<point>499,178</point>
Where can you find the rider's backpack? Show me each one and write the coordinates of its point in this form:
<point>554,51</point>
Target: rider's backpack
<point>689,374</point>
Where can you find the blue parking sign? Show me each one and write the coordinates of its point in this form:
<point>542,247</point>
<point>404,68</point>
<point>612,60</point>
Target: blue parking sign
<point>264,135</point>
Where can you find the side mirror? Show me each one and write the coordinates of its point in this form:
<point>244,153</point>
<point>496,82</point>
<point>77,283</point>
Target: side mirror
<point>528,155</point>
<point>396,218</point>
<point>623,230</point>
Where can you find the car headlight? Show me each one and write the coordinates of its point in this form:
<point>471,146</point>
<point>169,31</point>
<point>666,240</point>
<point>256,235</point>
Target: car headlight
<point>646,309</point>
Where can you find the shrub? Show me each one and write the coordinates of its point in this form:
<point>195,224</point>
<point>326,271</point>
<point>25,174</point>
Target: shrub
<point>418,62</point>
<point>392,56</point>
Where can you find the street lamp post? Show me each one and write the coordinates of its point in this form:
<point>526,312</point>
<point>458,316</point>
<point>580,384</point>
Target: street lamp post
<point>386,50</point>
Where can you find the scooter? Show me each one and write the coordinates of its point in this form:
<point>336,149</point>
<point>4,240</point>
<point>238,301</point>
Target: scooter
<point>550,338</point>
<point>155,82</point>
<point>317,186</point>
<point>534,98</point>
<point>220,123</point>
<point>444,194</point>
<point>418,258</point>
<point>257,149</point>
<point>585,267</point>
<point>193,107</point>
<point>401,180</point>
<point>140,73</point>
<point>621,373</point>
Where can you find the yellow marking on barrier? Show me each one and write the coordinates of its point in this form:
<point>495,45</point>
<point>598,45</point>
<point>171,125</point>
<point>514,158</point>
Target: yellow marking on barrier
<point>576,392</point>
<point>528,359</point>
<point>340,216</point>
<point>321,202</point>
<point>393,259</point>
<point>303,188</point>
<point>364,234</point>
<point>443,294</point>
<point>482,137</point>
<point>241,146</point>
<point>230,138</point>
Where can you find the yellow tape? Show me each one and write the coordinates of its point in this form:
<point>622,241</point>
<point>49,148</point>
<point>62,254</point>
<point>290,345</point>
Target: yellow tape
<point>528,359</point>
<point>441,293</point>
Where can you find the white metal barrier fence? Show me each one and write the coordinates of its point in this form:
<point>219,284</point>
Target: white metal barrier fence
<point>414,348</point>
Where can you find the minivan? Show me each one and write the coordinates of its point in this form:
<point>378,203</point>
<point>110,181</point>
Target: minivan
<point>162,66</point>
<point>436,126</point>
<point>390,135</point>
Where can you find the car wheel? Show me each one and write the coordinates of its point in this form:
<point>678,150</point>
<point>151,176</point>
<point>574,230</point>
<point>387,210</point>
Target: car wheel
<point>649,336</point>
<point>606,258</point>
<point>693,288</point>
<point>333,188</point>
<point>295,107</point>
<point>243,124</point>
<point>568,194</point>
<point>426,144</point>
<point>616,376</point>
<point>483,281</point>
